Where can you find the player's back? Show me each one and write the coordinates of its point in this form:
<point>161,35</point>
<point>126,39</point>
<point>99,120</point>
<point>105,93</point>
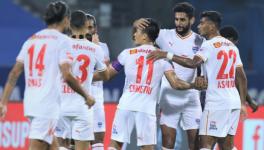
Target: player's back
<point>85,56</point>
<point>41,55</point>
<point>143,79</point>
<point>221,59</point>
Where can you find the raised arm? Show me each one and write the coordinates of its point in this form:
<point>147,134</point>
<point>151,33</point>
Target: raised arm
<point>9,86</point>
<point>186,62</point>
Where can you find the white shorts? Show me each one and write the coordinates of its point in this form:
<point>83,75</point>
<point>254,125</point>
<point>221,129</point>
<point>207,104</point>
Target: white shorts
<point>184,108</point>
<point>99,120</point>
<point>189,119</point>
<point>124,122</point>
<point>75,127</point>
<point>219,123</point>
<point>42,129</point>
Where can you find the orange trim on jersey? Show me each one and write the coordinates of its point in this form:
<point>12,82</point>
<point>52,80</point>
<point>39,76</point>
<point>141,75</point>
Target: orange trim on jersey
<point>168,71</point>
<point>185,37</point>
<point>207,122</point>
<point>200,57</point>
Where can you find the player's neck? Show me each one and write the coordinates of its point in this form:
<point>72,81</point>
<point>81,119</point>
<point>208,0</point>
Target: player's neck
<point>212,35</point>
<point>56,27</point>
<point>183,35</point>
<point>147,43</point>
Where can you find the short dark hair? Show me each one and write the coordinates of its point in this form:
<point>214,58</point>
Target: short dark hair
<point>152,30</point>
<point>91,17</point>
<point>55,12</point>
<point>213,16</point>
<point>184,7</point>
<point>229,32</point>
<point>78,19</point>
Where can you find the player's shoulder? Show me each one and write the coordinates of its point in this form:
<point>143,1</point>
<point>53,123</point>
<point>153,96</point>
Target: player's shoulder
<point>102,44</point>
<point>166,31</point>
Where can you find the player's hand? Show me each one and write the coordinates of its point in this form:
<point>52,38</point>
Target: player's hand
<point>90,101</point>
<point>243,112</point>
<point>3,110</point>
<point>95,38</point>
<point>157,54</point>
<point>200,83</point>
<point>253,105</point>
<point>141,23</point>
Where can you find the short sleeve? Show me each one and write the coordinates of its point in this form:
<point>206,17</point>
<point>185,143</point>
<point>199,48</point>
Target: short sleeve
<point>22,54</point>
<point>100,63</point>
<point>106,51</point>
<point>168,66</point>
<point>122,57</point>
<point>238,60</point>
<point>65,55</point>
<point>204,51</point>
<point>159,40</point>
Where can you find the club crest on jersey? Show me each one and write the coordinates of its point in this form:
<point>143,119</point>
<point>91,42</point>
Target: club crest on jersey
<point>114,131</point>
<point>212,125</point>
<point>217,44</point>
<point>195,49</point>
<point>99,124</point>
<point>133,51</point>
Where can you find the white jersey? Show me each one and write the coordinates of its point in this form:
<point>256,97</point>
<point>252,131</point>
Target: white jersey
<point>169,40</point>
<point>221,57</point>
<point>86,56</point>
<point>97,87</point>
<point>41,54</point>
<point>143,77</point>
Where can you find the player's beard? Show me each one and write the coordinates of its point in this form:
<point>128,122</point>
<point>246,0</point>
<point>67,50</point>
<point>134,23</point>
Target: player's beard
<point>184,30</point>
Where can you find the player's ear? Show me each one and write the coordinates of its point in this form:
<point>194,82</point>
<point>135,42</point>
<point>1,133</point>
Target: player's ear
<point>192,20</point>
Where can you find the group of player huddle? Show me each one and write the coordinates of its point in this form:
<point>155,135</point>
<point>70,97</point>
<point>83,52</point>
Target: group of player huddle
<point>64,88</point>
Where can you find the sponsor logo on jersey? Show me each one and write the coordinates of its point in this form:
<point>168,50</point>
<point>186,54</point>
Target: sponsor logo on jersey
<point>217,44</point>
<point>133,51</point>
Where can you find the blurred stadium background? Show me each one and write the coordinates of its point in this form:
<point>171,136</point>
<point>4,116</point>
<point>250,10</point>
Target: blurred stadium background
<point>20,18</point>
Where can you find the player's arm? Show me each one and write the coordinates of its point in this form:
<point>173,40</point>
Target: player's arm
<point>14,74</point>
<point>186,62</point>
<point>251,102</point>
<point>113,69</point>
<point>241,82</point>
<point>177,83</point>
<point>141,23</point>
<point>65,69</point>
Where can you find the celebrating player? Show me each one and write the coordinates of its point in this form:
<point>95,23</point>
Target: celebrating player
<point>223,67</point>
<point>42,57</point>
<point>178,105</point>
<point>138,102</point>
<point>76,120</point>
<point>97,89</point>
